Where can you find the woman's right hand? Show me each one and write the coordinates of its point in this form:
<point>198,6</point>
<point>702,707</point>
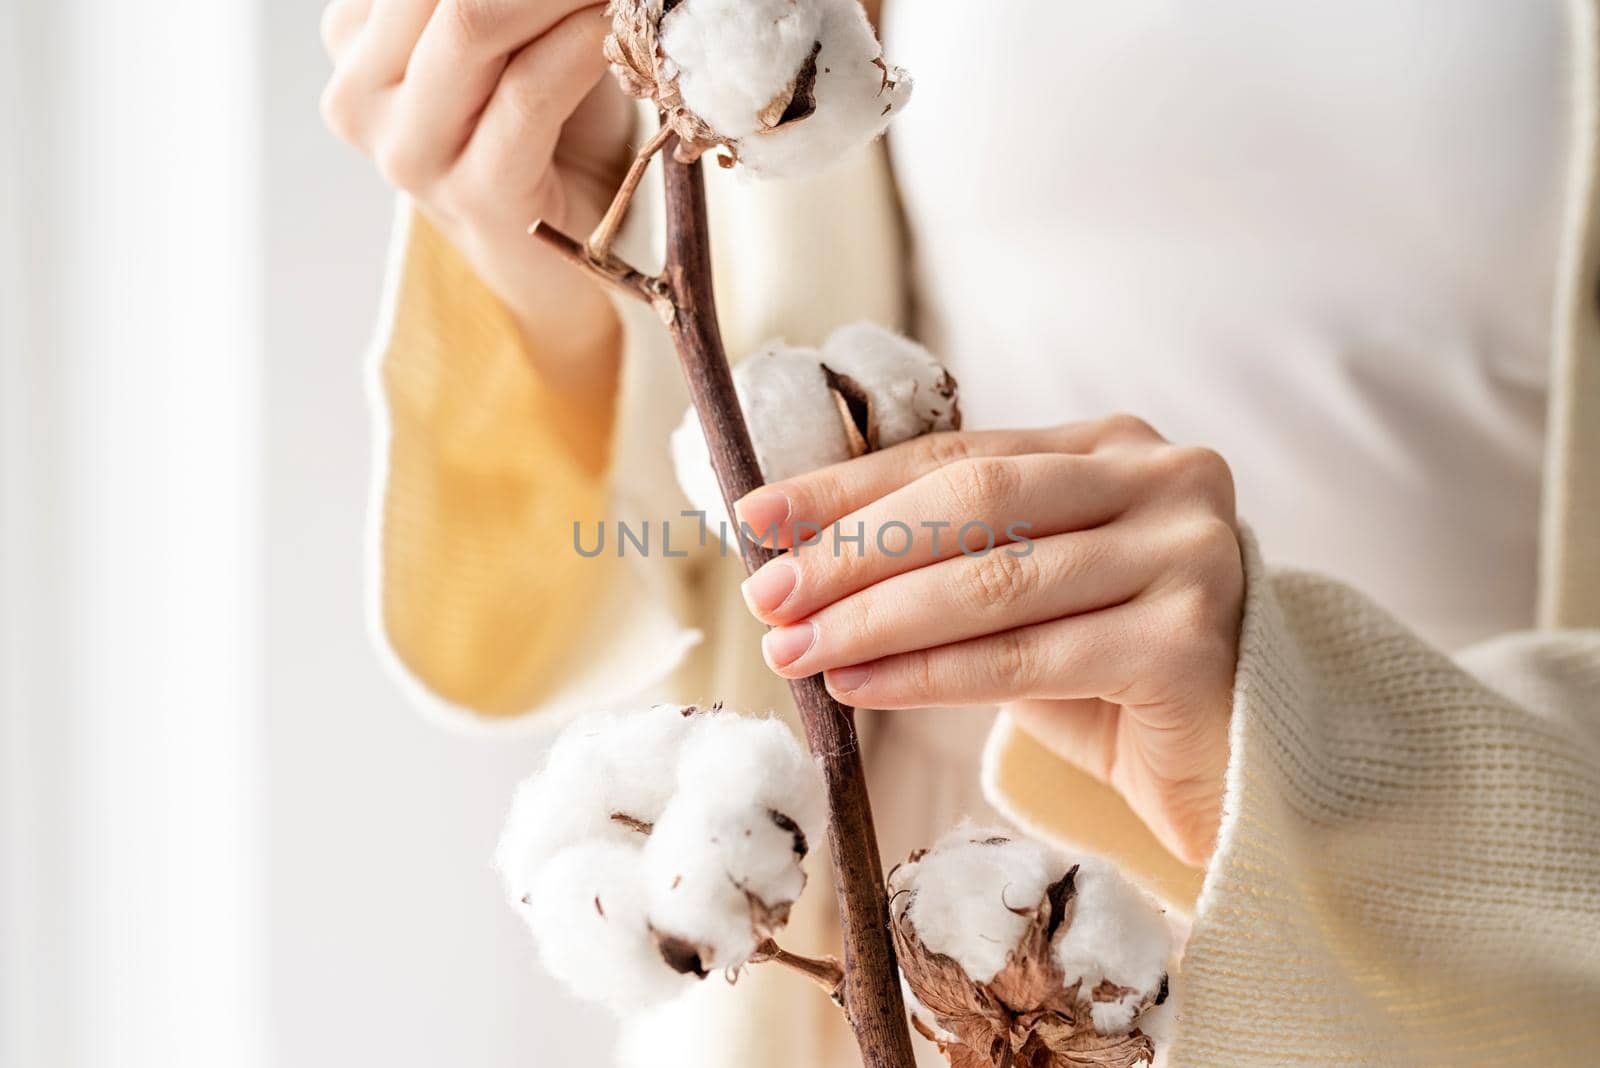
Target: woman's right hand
<point>491,114</point>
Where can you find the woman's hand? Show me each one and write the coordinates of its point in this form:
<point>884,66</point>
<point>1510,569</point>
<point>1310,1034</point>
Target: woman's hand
<point>1108,622</point>
<point>491,114</point>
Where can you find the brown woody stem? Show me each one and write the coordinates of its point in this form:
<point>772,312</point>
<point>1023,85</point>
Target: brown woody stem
<point>619,276</point>
<point>826,972</point>
<point>872,995</point>
<point>601,240</point>
<point>685,298</point>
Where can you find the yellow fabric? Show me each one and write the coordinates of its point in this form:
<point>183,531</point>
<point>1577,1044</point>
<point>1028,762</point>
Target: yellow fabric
<point>1054,800</point>
<point>487,470</point>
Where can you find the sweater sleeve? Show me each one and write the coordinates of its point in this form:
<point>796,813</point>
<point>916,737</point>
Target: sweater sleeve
<point>487,486</point>
<point>1408,870</point>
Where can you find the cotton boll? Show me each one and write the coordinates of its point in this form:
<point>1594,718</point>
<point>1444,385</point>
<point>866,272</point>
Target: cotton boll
<point>747,760</point>
<point>736,58</point>
<point>792,417</point>
<point>910,392</point>
<point>856,95</point>
<point>970,897</point>
<point>605,776</point>
<point>1117,936</point>
<point>696,909</point>
<point>724,864</point>
<point>691,461</point>
<point>587,912</point>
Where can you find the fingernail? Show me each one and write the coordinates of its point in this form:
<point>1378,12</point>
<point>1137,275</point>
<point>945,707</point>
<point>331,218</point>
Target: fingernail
<point>763,510</point>
<point>770,587</point>
<point>787,644</point>
<point>846,680</point>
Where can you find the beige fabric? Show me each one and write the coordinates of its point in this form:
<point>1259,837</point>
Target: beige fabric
<point>1410,855</point>
<point>1569,594</point>
<point>1409,865</point>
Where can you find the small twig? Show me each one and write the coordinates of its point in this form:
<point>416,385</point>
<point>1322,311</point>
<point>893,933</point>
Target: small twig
<point>620,276</point>
<point>826,972</point>
<point>601,240</point>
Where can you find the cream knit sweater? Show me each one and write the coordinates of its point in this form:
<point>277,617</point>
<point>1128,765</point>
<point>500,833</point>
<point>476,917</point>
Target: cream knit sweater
<point>1409,865</point>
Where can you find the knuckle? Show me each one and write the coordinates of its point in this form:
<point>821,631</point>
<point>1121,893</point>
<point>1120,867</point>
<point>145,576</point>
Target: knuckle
<point>1125,426</point>
<point>338,109</point>
<point>980,485</point>
<point>1208,557</point>
<point>333,18</point>
<point>999,581</point>
<point>477,21</point>
<point>1009,659</point>
<point>1198,473</point>
<point>943,449</point>
<point>1191,622</point>
<point>399,165</point>
<point>917,673</point>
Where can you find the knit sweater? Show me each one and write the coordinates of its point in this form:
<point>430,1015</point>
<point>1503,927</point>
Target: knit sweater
<point>1408,870</point>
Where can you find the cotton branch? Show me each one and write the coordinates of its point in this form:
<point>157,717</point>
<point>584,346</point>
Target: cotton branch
<point>825,972</point>
<point>684,295</point>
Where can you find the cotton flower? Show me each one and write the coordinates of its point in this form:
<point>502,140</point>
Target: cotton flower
<point>587,908</point>
<point>867,388</point>
<point>906,392</point>
<point>792,417</point>
<point>856,94</point>
<point>657,846</point>
<point>1010,962</point>
<point>738,60</point>
<point>971,896</point>
<point>1115,949</point>
<point>787,86</point>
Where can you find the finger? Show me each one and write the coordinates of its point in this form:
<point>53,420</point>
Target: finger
<point>506,165</point>
<point>823,496</point>
<point>459,63</point>
<point>1078,657</point>
<point>342,21</point>
<point>379,55</point>
<point>959,509</point>
<point>359,98</point>
<point>968,597</point>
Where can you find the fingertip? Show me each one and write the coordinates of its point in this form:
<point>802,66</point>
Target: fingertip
<point>847,682</point>
<point>763,510</point>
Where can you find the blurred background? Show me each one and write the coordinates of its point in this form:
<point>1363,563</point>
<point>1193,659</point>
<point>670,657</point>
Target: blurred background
<point>226,838</point>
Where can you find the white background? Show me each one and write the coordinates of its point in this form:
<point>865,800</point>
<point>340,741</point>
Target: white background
<point>227,840</point>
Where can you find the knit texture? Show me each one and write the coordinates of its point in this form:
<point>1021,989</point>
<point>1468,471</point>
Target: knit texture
<point>1409,865</point>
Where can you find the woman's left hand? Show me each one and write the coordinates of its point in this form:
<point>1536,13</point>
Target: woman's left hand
<point>1105,616</point>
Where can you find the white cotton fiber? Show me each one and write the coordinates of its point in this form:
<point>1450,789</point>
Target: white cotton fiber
<point>604,765</point>
<point>759,761</point>
<point>735,57</point>
<point>794,416</point>
<point>970,896</point>
<point>793,420</point>
<point>586,911</point>
<point>911,392</point>
<point>1117,934</point>
<point>721,877</point>
<point>660,842</point>
<point>689,895</point>
<point>727,857</point>
<point>855,100</point>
